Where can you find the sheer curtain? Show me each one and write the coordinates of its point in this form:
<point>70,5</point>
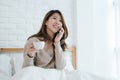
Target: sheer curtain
<point>117,28</point>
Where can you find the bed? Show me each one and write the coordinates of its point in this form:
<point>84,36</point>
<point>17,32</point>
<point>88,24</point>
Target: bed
<point>12,58</point>
<point>11,68</point>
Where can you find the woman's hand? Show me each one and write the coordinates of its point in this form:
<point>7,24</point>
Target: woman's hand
<point>59,35</point>
<point>31,50</point>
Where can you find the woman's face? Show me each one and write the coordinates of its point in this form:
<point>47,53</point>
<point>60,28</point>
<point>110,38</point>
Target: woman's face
<point>54,23</point>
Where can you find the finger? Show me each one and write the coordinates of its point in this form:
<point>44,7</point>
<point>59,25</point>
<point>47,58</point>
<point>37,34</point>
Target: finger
<point>30,50</point>
<point>31,46</point>
<point>61,30</point>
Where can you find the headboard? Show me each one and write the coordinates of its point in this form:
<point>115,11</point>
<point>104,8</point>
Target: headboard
<point>72,49</point>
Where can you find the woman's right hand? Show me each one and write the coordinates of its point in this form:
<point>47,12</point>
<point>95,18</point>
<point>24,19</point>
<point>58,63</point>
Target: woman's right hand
<point>31,50</point>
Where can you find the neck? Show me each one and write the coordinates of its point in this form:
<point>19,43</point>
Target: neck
<point>48,45</point>
<point>50,33</point>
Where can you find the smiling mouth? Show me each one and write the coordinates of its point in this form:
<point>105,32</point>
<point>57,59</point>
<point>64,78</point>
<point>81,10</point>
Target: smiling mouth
<point>55,26</point>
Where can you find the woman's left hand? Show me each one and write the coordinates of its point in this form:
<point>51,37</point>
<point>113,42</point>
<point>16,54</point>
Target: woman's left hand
<point>59,35</point>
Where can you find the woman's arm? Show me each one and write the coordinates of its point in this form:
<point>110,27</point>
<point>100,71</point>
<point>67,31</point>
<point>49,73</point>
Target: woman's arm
<point>59,56</point>
<point>29,52</point>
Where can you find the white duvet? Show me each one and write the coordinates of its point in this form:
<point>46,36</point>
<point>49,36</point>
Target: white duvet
<point>36,73</point>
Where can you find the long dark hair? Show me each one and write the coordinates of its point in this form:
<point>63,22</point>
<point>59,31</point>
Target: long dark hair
<point>43,33</point>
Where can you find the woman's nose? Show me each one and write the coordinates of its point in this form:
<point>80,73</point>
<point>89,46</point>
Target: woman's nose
<point>58,22</point>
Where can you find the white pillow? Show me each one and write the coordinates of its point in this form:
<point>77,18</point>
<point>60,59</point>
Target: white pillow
<point>68,55</point>
<point>17,61</point>
<point>5,67</point>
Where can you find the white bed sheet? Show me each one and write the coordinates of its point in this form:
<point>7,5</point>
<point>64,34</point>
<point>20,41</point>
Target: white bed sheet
<point>36,73</point>
<point>10,65</point>
<point>4,76</point>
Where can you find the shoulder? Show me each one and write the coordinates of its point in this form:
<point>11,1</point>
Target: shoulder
<point>41,38</point>
<point>33,39</point>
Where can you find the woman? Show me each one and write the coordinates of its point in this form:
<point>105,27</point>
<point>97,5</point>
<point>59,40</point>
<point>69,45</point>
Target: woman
<point>53,33</point>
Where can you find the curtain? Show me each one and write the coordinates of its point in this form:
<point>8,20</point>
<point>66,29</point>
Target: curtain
<point>117,30</point>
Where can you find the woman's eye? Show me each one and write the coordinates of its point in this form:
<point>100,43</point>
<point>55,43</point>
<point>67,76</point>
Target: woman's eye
<point>60,20</point>
<point>54,18</point>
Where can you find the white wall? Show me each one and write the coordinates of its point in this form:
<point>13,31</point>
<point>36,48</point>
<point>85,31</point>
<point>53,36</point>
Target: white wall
<point>21,18</point>
<point>96,37</point>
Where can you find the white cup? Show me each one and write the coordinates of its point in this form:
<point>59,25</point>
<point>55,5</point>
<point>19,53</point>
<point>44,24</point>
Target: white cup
<point>39,45</point>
